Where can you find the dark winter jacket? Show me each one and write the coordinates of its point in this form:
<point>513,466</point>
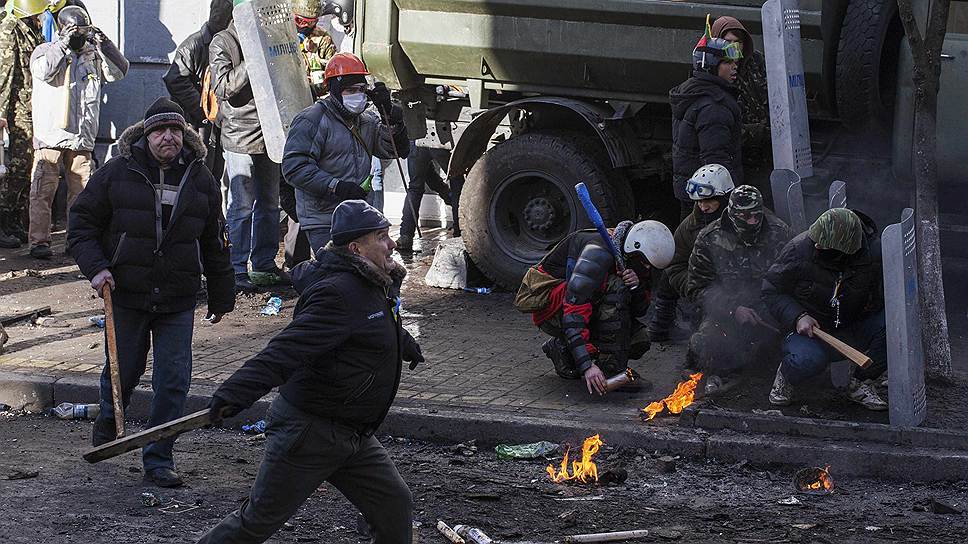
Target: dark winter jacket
<point>725,272</point>
<point>113,224</point>
<point>321,151</point>
<point>184,76</point>
<point>802,281</point>
<point>340,357</point>
<point>241,129</point>
<point>685,239</point>
<point>707,128</point>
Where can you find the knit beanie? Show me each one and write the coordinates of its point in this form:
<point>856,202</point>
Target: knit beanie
<point>355,218</point>
<point>164,113</point>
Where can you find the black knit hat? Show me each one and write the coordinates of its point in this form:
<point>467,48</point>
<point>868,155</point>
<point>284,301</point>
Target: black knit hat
<point>164,113</point>
<point>337,84</point>
<point>354,218</point>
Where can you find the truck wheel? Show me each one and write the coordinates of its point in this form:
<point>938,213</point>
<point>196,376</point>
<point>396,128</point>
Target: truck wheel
<point>867,63</point>
<point>519,200</point>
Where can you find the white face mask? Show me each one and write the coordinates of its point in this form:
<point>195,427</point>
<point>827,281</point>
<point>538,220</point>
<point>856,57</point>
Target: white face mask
<point>355,103</point>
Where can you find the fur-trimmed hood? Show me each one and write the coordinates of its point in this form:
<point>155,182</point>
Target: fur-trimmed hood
<point>332,258</point>
<point>191,141</point>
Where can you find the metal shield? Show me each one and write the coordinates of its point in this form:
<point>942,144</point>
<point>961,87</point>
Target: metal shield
<point>905,358</point>
<point>787,87</point>
<point>275,66</point>
<point>788,199</point>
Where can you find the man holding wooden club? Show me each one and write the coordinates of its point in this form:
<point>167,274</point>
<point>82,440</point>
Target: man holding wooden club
<point>829,279</point>
<point>148,225</point>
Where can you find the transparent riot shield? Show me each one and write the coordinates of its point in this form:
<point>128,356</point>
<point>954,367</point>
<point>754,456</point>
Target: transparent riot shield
<point>788,199</point>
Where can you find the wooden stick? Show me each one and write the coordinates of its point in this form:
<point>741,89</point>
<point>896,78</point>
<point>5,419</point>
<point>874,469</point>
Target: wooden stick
<point>846,350</point>
<point>608,537</point>
<point>113,363</point>
<point>449,533</point>
<point>174,427</point>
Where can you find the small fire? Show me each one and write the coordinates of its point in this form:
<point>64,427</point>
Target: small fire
<point>585,470</point>
<point>680,398</point>
<point>814,480</point>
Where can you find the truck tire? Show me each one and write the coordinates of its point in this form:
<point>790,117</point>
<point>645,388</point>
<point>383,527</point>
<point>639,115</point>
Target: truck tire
<point>519,199</point>
<point>866,61</point>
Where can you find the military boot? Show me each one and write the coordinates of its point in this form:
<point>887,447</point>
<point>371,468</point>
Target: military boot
<point>557,351</point>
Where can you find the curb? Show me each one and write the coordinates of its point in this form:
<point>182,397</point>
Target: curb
<point>851,449</point>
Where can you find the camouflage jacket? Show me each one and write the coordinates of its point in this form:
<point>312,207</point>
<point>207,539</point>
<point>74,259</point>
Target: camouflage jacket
<point>317,49</point>
<point>17,42</point>
<point>754,102</point>
<point>724,272</point>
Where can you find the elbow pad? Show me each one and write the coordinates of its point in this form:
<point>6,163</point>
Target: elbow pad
<point>590,271</point>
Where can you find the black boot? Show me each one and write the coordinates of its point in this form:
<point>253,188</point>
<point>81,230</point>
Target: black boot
<point>557,351</point>
<point>104,431</point>
<point>662,327</point>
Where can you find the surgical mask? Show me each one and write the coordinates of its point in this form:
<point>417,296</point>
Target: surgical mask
<point>355,103</point>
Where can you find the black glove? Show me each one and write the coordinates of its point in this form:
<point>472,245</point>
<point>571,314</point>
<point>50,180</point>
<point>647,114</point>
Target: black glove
<point>396,115</point>
<point>413,355</point>
<point>347,190</point>
<point>218,409</point>
<point>380,96</point>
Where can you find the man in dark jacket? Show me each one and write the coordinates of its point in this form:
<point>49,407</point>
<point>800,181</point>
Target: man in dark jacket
<point>707,124</point>
<point>338,364</point>
<point>331,144</point>
<point>253,207</point>
<point>829,277</point>
<point>592,315</point>
<point>184,81</point>
<point>148,225</point>
<point>726,269</point>
<point>709,188</point>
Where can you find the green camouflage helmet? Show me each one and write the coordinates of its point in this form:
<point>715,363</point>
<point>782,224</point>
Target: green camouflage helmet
<point>306,8</point>
<point>745,203</point>
<point>839,229</point>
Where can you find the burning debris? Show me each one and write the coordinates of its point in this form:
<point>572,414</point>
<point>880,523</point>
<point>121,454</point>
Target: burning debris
<point>814,481</point>
<point>585,470</point>
<point>683,396</point>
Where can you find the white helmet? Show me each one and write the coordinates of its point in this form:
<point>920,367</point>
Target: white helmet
<point>709,181</point>
<point>652,240</point>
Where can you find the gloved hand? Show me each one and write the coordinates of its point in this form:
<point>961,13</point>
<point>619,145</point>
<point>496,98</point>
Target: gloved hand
<point>347,190</point>
<point>98,36</point>
<point>396,115</point>
<point>66,32</point>
<point>218,409</point>
<point>380,96</point>
<point>413,355</point>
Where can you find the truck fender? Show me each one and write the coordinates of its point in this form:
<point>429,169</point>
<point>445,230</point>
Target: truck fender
<point>616,134</point>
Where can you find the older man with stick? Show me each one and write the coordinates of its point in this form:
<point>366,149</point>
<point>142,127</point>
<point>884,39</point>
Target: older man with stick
<point>337,366</point>
<point>148,225</point>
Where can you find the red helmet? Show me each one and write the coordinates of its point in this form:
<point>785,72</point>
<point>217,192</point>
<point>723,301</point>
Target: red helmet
<point>344,64</point>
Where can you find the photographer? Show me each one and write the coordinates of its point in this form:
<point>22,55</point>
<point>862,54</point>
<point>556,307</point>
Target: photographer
<point>331,144</point>
<point>66,103</point>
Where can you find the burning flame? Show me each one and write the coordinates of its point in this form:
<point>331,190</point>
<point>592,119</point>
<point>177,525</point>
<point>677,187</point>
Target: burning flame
<point>821,480</point>
<point>680,398</point>
<point>583,470</point>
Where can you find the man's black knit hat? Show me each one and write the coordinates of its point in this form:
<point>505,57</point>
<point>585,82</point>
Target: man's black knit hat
<point>164,113</point>
<point>354,218</point>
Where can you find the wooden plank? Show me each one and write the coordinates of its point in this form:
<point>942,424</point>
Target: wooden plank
<point>43,310</point>
<point>173,428</point>
<point>113,361</point>
<point>846,350</point>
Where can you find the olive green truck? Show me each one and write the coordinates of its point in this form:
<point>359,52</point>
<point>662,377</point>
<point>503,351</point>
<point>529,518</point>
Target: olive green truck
<point>532,95</point>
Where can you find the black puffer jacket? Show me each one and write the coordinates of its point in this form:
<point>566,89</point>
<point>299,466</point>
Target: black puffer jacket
<point>113,224</point>
<point>241,129</point>
<point>802,281</point>
<point>707,128</point>
<point>340,357</point>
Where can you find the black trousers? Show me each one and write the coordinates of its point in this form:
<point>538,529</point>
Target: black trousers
<point>302,452</point>
<point>421,168</point>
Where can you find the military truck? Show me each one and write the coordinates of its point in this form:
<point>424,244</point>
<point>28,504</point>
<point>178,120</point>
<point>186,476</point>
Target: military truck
<point>532,95</point>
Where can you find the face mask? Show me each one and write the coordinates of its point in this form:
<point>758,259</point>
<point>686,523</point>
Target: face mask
<point>76,42</point>
<point>355,103</point>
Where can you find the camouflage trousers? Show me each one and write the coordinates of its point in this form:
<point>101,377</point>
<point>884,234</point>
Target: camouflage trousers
<point>15,186</point>
<point>722,346</point>
<point>618,336</point>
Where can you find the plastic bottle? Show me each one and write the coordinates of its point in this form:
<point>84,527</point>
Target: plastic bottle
<point>67,410</point>
<point>272,306</point>
<point>478,290</point>
<point>97,320</point>
<point>472,534</point>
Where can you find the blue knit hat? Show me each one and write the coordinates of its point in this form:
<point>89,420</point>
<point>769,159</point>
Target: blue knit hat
<point>354,218</point>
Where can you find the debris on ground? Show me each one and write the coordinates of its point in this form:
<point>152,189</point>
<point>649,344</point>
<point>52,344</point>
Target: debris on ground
<point>666,464</point>
<point>789,501</point>
<point>615,536</point>
<point>533,450</point>
<point>259,427</point>
<point>449,268</point>
<point>93,345</point>
<point>5,407</point>
<point>940,507</point>
<point>472,535</point>
<point>18,474</point>
<point>67,410</point>
<point>149,499</point>
<point>97,321</point>
<point>51,323</point>
<point>273,305</point>
<point>775,413</point>
<point>449,533</point>
<point>466,449</point>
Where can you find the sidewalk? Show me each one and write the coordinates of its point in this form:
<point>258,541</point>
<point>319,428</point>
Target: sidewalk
<point>480,353</point>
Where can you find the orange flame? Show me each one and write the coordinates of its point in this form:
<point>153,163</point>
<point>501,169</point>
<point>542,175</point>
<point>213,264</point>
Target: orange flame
<point>584,470</point>
<point>683,396</point>
<point>823,481</point>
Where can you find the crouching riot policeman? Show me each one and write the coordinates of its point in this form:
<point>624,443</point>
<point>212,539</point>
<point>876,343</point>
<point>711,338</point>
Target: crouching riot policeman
<point>592,309</point>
